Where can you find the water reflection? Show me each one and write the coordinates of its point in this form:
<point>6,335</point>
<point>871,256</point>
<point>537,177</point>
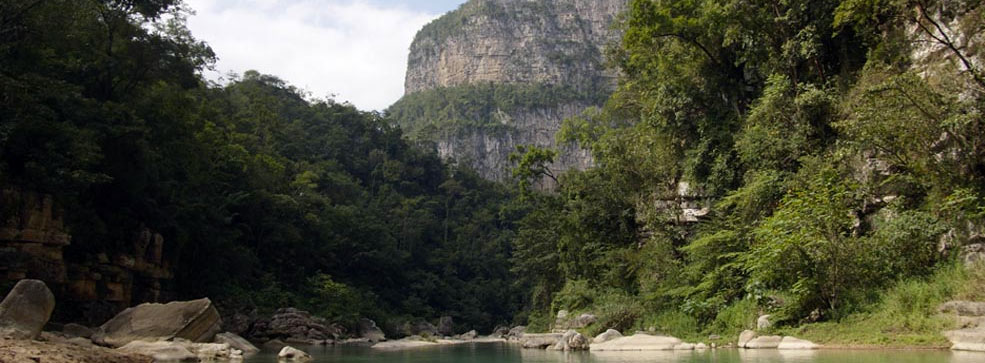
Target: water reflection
<point>505,353</point>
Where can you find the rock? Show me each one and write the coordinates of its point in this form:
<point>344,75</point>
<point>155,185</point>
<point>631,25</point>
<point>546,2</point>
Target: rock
<point>763,322</point>
<point>500,332</point>
<point>274,344</point>
<point>470,335</point>
<point>791,343</point>
<point>516,333</point>
<point>967,339</point>
<point>570,341</point>
<point>764,342</point>
<point>238,323</point>
<point>641,342</point>
<point>196,321</point>
<point>237,342</point>
<point>26,309</point>
<point>421,328</point>
<point>539,341</point>
<point>562,315</point>
<point>446,326</point>
<point>745,337</point>
<point>80,341</point>
<point>701,346</point>
<point>294,325</point>
<point>973,254</point>
<point>606,336</point>
<point>714,337</point>
<point>369,330</point>
<point>291,354</point>
<point>160,351</point>
<point>963,308</point>
<point>77,330</point>
<point>684,346</point>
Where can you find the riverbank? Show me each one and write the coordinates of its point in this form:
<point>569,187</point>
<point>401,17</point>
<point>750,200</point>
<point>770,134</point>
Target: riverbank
<point>32,351</point>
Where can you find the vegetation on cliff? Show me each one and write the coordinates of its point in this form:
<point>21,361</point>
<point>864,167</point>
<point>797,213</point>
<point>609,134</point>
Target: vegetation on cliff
<point>838,144</point>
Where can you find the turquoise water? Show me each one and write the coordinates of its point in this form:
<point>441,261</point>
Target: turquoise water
<point>506,353</point>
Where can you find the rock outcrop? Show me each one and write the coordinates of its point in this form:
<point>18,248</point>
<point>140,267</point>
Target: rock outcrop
<point>369,331</point>
<point>180,350</point>
<point>971,317</point>
<point>237,342</point>
<point>25,310</point>
<point>550,50</point>
<point>639,342</point>
<point>571,340</point>
<point>195,320</point>
<point>539,341</point>
<point>295,327</point>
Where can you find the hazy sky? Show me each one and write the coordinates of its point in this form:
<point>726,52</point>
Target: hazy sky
<point>353,49</point>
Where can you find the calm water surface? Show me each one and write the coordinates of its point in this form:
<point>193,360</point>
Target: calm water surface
<point>506,353</point>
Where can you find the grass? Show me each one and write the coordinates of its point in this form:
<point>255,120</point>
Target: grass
<point>904,316</point>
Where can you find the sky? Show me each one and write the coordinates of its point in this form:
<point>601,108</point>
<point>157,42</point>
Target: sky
<point>351,50</point>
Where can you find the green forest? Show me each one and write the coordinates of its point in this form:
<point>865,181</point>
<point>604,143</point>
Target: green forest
<point>838,145</point>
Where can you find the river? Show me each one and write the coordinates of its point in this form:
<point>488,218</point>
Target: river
<point>507,353</point>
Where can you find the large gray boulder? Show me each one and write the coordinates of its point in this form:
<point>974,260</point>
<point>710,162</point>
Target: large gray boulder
<point>371,332</point>
<point>764,342</point>
<point>745,337</point>
<point>195,320</point>
<point>967,339</point>
<point>446,326</point>
<point>539,341</point>
<point>791,343</point>
<point>516,333</point>
<point>606,336</point>
<point>639,342</point>
<point>571,340</point>
<point>182,350</point>
<point>763,322</point>
<point>291,354</point>
<point>237,342</point>
<point>26,310</point>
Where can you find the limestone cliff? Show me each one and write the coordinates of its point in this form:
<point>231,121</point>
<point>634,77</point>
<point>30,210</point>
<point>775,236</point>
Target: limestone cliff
<point>496,74</point>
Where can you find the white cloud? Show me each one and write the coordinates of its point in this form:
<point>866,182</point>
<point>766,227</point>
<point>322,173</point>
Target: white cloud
<point>349,48</point>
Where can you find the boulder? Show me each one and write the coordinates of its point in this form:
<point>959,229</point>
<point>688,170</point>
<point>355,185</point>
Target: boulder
<point>714,337</point>
<point>500,331</point>
<point>606,336</point>
<point>182,350</point>
<point>77,330</point>
<point>446,326</point>
<point>967,339</point>
<point>539,341</point>
<point>764,342</point>
<point>274,344</point>
<point>963,308</point>
<point>700,346</point>
<point>196,321</point>
<point>582,321</point>
<point>291,354</point>
<point>791,343</point>
<point>25,310</point>
<point>469,335</point>
<point>237,342</point>
<point>160,351</point>
<point>684,346</point>
<point>571,340</point>
<point>295,325</point>
<point>745,337</point>
<point>973,254</point>
<point>238,323</point>
<point>369,331</point>
<point>421,328</point>
<point>639,341</point>
<point>516,333</point>
<point>763,322</point>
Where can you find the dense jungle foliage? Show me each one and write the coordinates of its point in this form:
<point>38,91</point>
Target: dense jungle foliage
<point>266,197</point>
<point>838,146</point>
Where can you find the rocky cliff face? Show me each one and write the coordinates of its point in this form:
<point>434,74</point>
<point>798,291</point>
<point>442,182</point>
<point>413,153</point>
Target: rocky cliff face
<point>551,49</point>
